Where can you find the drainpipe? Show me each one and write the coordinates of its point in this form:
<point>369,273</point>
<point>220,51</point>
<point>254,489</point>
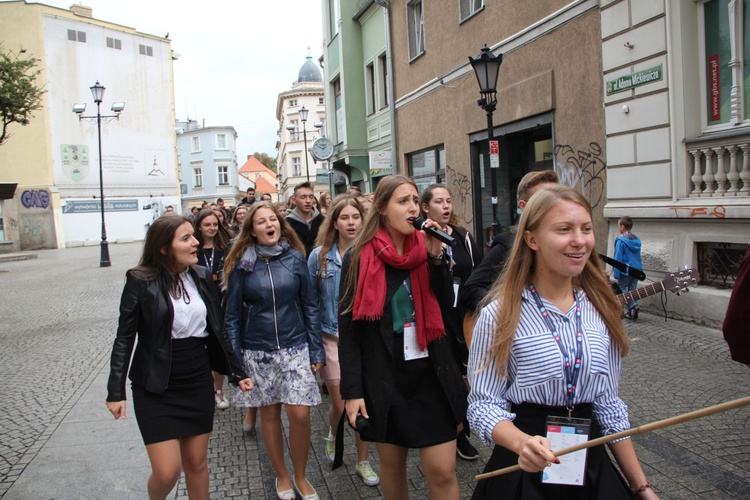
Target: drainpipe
<point>389,63</point>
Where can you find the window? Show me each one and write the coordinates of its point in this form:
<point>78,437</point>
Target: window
<point>197,177</point>
<point>223,174</point>
<point>726,66</point>
<point>468,8</point>
<point>339,110</point>
<point>221,141</point>
<point>427,167</point>
<point>292,103</point>
<point>383,66</point>
<point>77,36</point>
<point>415,25</point>
<point>321,100</point>
<point>370,88</point>
<point>333,18</point>
<point>296,169</point>
<point>146,50</point>
<point>114,43</point>
<point>294,134</point>
<point>196,145</point>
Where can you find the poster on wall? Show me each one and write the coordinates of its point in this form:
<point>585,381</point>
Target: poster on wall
<point>75,161</point>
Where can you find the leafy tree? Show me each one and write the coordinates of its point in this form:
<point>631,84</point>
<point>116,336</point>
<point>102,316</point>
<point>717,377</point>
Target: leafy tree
<point>19,95</point>
<point>266,160</point>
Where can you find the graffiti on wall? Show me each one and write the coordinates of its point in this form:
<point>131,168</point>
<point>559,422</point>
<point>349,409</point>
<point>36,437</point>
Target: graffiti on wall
<point>33,228</point>
<point>583,170</point>
<point>12,224</point>
<point>460,187</point>
<point>35,198</point>
<point>719,212</point>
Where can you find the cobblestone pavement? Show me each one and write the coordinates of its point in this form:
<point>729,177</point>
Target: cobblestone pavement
<point>58,317</point>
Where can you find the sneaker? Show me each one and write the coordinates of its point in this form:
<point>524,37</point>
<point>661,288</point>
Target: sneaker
<point>634,312</point>
<point>221,401</point>
<point>464,448</point>
<point>330,446</point>
<point>364,470</point>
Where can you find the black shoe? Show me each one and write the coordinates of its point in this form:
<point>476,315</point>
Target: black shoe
<point>464,449</point>
<point>634,312</point>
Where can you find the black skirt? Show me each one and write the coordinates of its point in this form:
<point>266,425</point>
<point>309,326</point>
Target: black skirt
<point>187,406</point>
<point>419,415</point>
<point>602,479</point>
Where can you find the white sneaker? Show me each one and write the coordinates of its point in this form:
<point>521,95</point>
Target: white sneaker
<point>221,401</point>
<point>369,477</point>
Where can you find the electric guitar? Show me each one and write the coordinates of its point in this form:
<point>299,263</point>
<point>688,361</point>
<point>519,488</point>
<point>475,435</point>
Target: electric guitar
<point>675,282</point>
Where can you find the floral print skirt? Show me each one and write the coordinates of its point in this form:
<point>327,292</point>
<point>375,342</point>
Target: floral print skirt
<point>282,376</point>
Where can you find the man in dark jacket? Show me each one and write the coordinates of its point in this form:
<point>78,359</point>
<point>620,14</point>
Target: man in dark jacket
<point>305,219</point>
<point>480,281</point>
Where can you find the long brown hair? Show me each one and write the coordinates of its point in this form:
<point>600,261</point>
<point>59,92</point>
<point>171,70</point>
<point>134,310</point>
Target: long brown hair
<point>328,234</point>
<point>158,256</point>
<point>426,197</point>
<point>519,268</point>
<point>246,239</point>
<point>221,240</point>
<point>373,222</point>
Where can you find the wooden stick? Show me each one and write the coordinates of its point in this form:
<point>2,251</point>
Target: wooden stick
<point>685,417</point>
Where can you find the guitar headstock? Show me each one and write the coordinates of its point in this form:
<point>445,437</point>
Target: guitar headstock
<point>680,280</point>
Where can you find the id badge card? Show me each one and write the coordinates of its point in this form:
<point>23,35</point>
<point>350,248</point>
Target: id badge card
<point>456,286</point>
<point>562,433</point>
<point>411,346</point>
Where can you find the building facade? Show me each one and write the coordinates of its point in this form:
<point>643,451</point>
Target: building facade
<point>207,158</point>
<point>357,76</point>
<point>676,95</point>
<point>51,166</point>
<point>254,174</point>
<point>549,113</point>
<point>295,165</point>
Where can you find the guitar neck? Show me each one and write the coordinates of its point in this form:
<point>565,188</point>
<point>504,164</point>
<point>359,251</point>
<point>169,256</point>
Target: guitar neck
<point>641,293</point>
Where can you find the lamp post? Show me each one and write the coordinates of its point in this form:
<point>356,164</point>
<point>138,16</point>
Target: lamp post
<point>97,91</point>
<point>303,118</point>
<point>487,68</point>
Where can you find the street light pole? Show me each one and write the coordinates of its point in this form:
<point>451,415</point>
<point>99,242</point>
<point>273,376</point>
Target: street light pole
<point>104,258</point>
<point>487,68</point>
<point>97,91</point>
<point>303,118</point>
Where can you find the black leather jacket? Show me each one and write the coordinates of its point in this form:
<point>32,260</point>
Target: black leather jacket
<point>146,311</point>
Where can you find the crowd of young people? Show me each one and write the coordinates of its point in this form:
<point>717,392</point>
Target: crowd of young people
<point>352,292</point>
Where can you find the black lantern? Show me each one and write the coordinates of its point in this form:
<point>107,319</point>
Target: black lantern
<point>487,68</point>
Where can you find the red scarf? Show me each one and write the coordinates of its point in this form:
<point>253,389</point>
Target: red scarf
<point>371,287</point>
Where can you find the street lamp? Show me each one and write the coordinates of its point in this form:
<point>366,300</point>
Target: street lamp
<point>303,118</point>
<point>487,68</point>
<point>97,91</point>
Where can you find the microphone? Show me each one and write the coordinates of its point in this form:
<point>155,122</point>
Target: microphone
<point>419,223</point>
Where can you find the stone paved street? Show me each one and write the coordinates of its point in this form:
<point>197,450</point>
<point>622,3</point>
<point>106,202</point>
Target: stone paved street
<point>58,316</point>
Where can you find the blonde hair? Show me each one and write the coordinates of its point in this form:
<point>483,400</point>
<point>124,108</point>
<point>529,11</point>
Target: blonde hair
<point>518,271</point>
<point>246,238</point>
<point>373,222</point>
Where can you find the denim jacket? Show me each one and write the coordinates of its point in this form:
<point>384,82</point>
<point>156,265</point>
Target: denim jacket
<point>327,287</point>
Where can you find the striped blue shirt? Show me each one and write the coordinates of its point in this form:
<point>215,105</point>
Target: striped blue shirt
<point>535,371</point>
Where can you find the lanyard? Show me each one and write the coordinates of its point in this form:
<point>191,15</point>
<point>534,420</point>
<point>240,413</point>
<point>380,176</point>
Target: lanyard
<point>571,372</point>
<point>209,260</point>
<point>411,298</point>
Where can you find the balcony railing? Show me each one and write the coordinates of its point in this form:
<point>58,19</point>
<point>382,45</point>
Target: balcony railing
<point>721,167</point>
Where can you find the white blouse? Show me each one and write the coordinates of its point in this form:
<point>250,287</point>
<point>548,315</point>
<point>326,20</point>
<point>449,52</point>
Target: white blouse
<point>189,317</point>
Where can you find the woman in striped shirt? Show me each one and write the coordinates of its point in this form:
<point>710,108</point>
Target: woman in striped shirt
<point>553,353</point>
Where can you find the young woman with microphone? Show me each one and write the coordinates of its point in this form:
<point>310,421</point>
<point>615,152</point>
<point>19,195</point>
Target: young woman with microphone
<point>397,369</point>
